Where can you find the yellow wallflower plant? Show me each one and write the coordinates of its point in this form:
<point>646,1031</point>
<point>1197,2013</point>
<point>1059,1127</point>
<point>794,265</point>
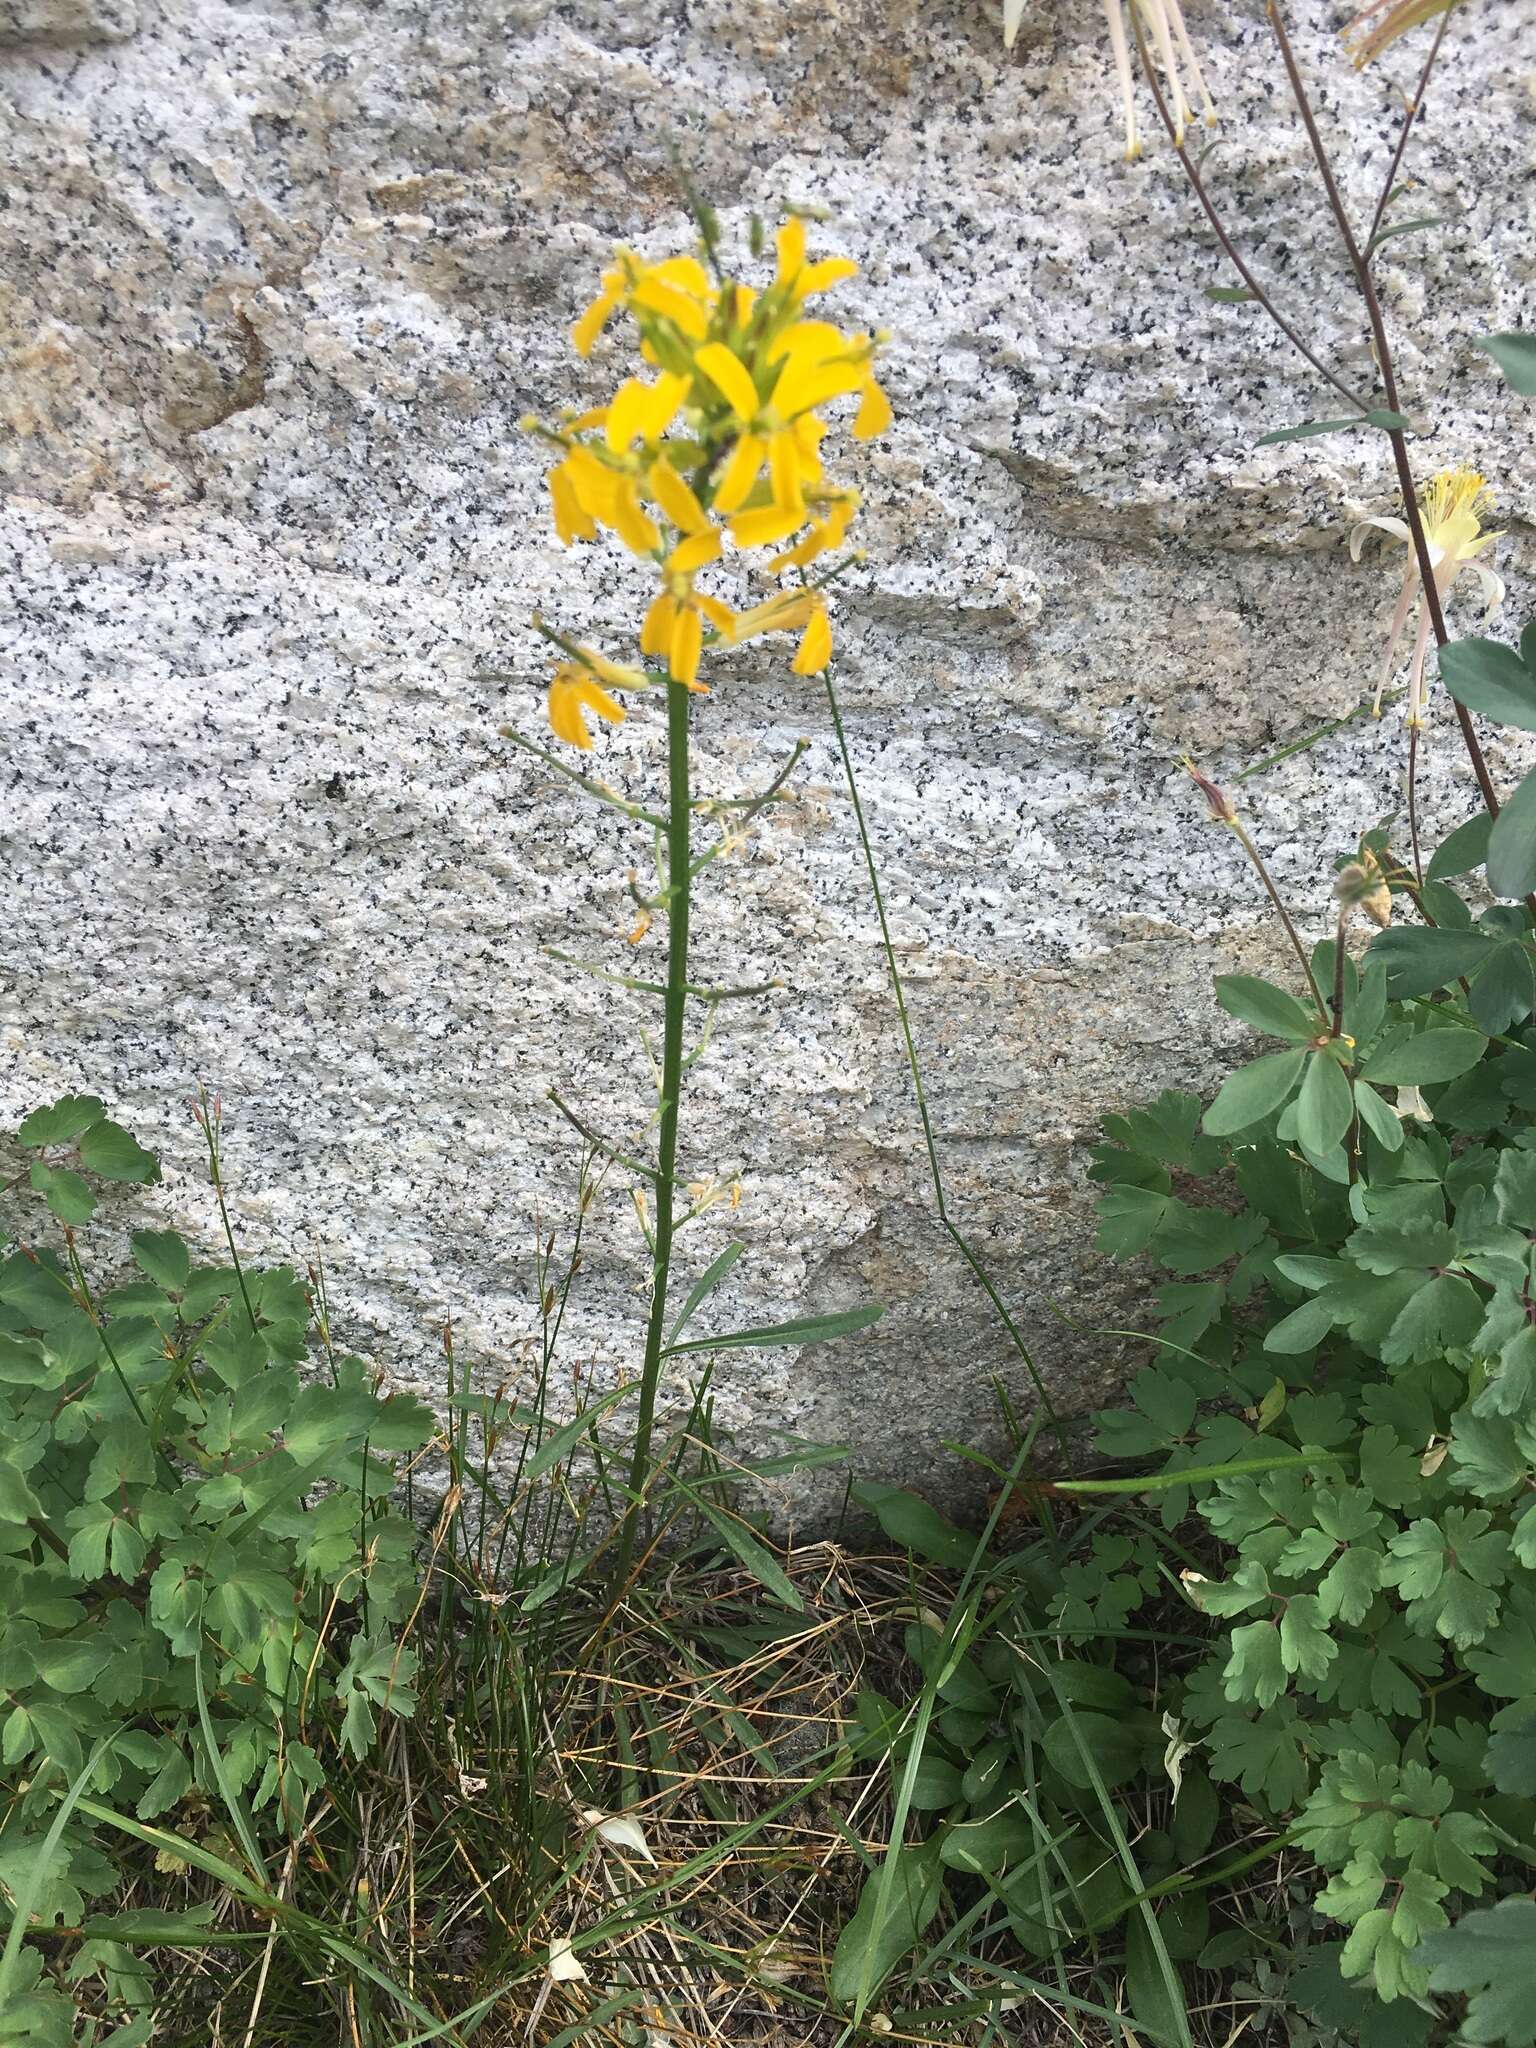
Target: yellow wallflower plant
<point>709,452</point>
<point>1451,506</point>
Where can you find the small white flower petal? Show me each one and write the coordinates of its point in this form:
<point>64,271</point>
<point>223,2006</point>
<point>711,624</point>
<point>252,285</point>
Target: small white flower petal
<point>564,1963</point>
<point>1396,527</point>
<point>620,1832</point>
<point>1013,14</point>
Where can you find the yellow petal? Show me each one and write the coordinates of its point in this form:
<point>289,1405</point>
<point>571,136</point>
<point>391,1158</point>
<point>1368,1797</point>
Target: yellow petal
<point>687,273</point>
<point>634,526</point>
<point>677,306</point>
<point>803,553</point>
<point>740,473</point>
<point>571,693</point>
<point>810,341</point>
<point>763,527</point>
<point>687,644</point>
<point>729,375</point>
<point>803,385</point>
<point>675,497</point>
<point>591,324</point>
<point>571,521</point>
<point>665,397</point>
<point>790,243</point>
<point>616,673</point>
<point>693,553</point>
<point>593,483</point>
<point>874,414</point>
<point>815,649</point>
<point>656,633</point>
<point>784,473</point>
<point>820,277</point>
<point>719,615</point>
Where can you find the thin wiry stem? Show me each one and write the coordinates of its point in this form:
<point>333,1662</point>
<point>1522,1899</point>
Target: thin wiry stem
<point>1411,507</point>
<point>1410,115</point>
<point>1229,247</point>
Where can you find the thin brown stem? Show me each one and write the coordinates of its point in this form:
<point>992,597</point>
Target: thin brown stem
<point>1410,115</point>
<point>1229,247</point>
<point>1245,841</point>
<point>1367,288</point>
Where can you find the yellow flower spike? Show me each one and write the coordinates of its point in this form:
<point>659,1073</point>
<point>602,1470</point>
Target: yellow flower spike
<point>741,473</point>
<point>874,414</point>
<point>572,692</point>
<point>667,489</point>
<point>815,649</point>
<point>694,552</point>
<point>731,378</point>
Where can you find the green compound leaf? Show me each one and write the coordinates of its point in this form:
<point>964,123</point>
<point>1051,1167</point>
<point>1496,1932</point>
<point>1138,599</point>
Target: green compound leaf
<point>1422,958</point>
<point>1491,1955</point>
<point>63,1121</point>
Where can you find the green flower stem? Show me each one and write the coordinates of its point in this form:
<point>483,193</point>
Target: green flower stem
<point>674,1007</point>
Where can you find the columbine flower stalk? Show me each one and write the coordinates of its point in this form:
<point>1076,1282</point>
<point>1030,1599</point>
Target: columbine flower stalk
<point>1163,23</point>
<point>1450,506</point>
<point>711,453</point>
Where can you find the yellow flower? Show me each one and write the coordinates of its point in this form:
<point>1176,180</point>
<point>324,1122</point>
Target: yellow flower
<point>571,693</point>
<point>1451,506</point>
<point>722,437</point>
<point>1400,17</point>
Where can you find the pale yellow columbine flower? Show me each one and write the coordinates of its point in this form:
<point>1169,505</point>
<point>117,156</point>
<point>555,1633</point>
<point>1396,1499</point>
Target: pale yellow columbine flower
<point>1366,42</point>
<point>1451,505</point>
<point>1163,23</point>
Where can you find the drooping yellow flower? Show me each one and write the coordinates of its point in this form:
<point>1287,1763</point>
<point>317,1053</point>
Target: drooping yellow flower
<point>720,447</point>
<point>571,693</point>
<point>1451,505</point>
<point>1162,22</point>
<point>1366,42</point>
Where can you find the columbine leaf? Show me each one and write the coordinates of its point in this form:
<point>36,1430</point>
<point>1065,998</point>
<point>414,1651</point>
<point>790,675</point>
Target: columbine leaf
<point>1324,1108</point>
<point>1461,852</point>
<point>1490,1954</point>
<point>1489,677</point>
<point>1421,958</point>
<point>1267,1008</point>
<point>63,1121</point>
<point>1512,842</point>
<point>1515,354</point>
<point>1254,1092</point>
<point>106,1148</point>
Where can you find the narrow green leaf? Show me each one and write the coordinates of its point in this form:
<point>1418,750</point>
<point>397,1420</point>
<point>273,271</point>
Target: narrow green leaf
<point>805,1330</point>
<point>1229,294</point>
<point>705,1286</point>
<point>758,1559</point>
<point>915,1525</point>
<point>1186,1475</point>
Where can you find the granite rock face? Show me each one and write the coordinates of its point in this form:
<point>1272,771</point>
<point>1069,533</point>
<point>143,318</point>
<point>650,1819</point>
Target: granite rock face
<point>280,283</point>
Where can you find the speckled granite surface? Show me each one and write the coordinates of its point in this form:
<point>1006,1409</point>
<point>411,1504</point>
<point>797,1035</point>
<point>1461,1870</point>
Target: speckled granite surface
<point>281,280</point>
